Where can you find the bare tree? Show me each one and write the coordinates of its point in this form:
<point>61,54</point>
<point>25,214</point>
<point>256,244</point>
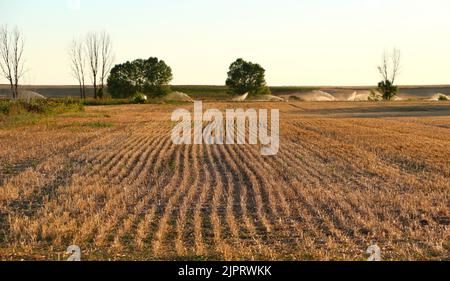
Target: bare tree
<point>6,61</point>
<point>389,70</point>
<point>11,57</point>
<point>100,58</point>
<point>107,58</point>
<point>78,63</point>
<point>93,53</point>
<point>18,71</point>
<point>390,67</point>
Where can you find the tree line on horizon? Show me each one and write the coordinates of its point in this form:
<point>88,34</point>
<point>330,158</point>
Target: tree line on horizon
<point>92,57</point>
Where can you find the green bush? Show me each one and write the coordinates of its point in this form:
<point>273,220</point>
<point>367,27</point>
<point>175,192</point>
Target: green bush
<point>388,89</point>
<point>39,106</point>
<point>139,98</point>
<point>5,106</point>
<point>442,98</point>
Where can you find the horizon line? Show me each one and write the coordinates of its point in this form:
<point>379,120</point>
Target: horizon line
<point>223,85</point>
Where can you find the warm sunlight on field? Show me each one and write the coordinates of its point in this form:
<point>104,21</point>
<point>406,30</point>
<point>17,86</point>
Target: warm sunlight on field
<point>111,181</point>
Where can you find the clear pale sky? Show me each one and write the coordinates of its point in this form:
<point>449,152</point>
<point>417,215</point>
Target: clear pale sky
<point>298,42</point>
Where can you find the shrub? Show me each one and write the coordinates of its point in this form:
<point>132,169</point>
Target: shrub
<point>39,106</point>
<point>35,106</point>
<point>442,98</point>
<point>5,106</point>
<point>139,98</point>
<point>387,89</point>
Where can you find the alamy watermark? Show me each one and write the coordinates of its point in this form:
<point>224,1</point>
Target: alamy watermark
<point>375,253</point>
<point>229,128</point>
<point>75,253</point>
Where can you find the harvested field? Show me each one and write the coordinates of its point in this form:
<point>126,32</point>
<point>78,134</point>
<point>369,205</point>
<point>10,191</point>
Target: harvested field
<point>347,175</point>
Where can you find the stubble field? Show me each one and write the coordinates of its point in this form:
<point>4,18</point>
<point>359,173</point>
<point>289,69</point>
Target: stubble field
<point>348,175</point>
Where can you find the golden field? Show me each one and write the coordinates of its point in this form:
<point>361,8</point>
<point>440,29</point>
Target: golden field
<point>348,175</point>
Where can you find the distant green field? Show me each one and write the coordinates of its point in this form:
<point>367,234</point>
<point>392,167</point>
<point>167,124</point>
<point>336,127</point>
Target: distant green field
<point>221,92</point>
<point>198,92</point>
<point>215,93</point>
<point>203,92</point>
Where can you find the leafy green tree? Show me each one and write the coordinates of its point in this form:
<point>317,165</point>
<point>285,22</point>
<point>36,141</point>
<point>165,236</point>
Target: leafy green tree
<point>151,76</point>
<point>122,81</point>
<point>246,77</point>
